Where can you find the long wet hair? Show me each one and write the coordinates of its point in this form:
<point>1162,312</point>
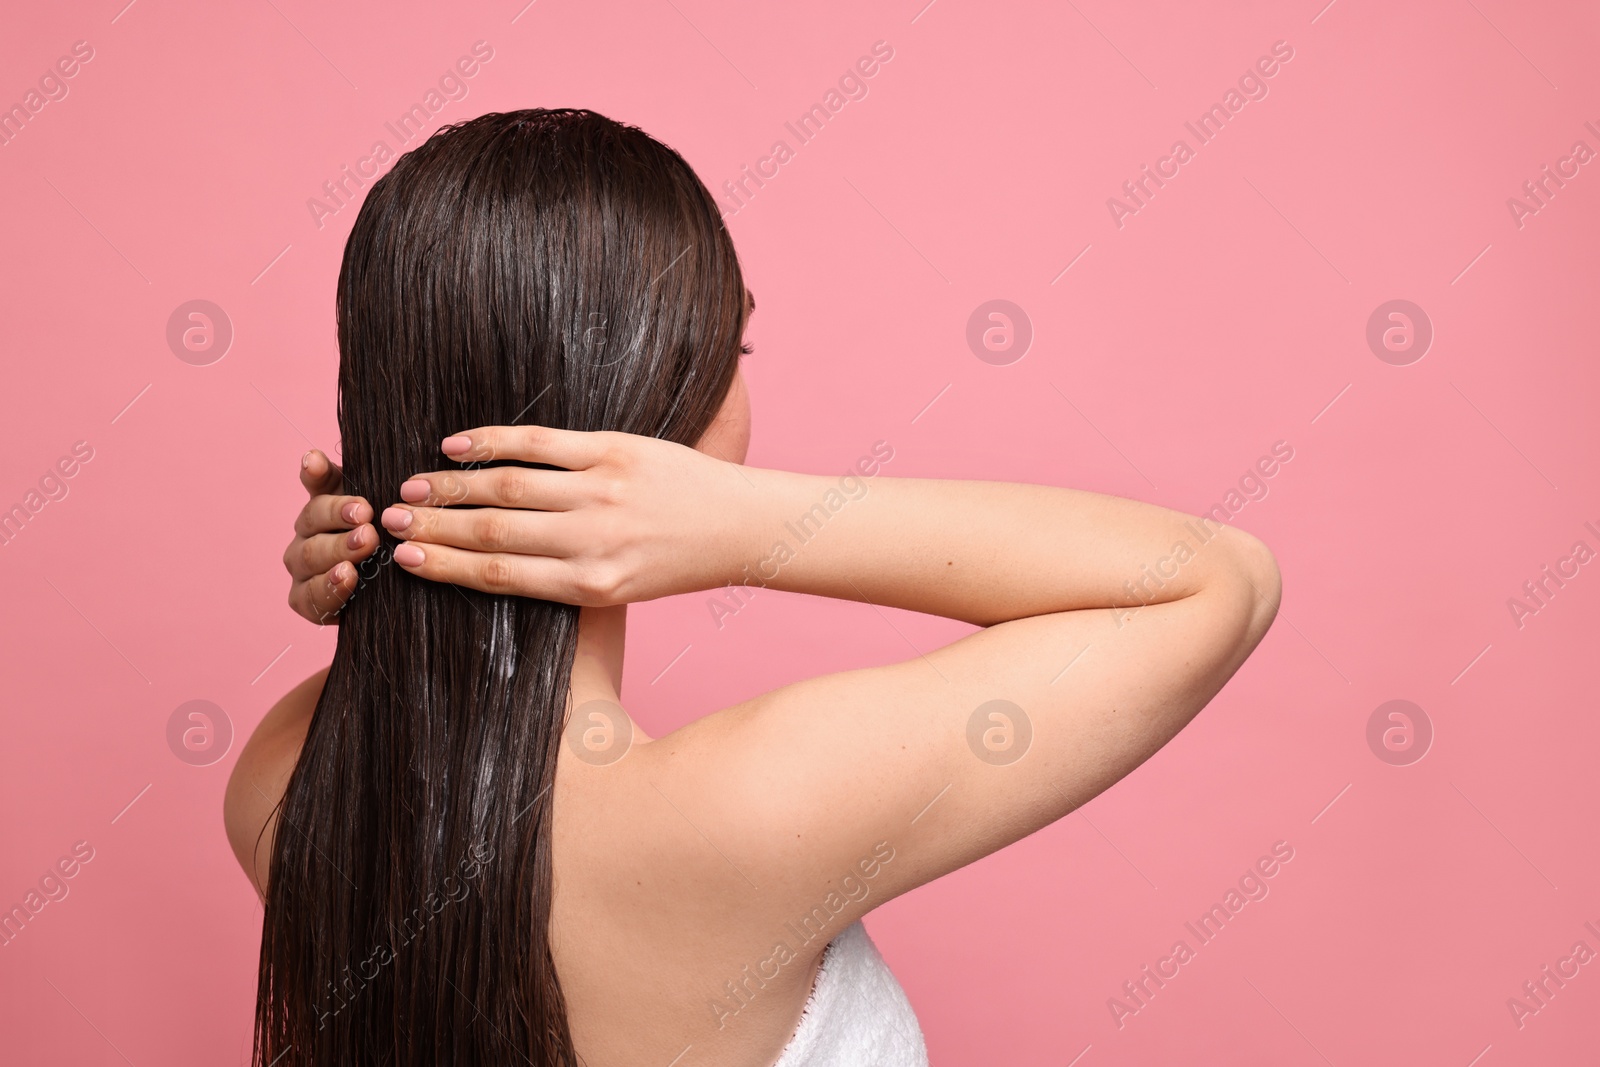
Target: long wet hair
<point>551,267</point>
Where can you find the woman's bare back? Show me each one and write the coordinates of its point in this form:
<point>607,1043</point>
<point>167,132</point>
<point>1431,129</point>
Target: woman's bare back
<point>648,949</point>
<point>681,868</point>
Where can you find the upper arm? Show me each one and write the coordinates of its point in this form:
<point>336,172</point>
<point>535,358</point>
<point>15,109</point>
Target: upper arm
<point>799,787</point>
<point>250,803</point>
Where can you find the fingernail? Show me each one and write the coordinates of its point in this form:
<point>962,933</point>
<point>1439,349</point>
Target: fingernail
<point>455,445</point>
<point>396,519</point>
<point>349,512</point>
<point>408,555</point>
<point>305,461</point>
<point>358,535</point>
<point>336,576</point>
<point>414,491</point>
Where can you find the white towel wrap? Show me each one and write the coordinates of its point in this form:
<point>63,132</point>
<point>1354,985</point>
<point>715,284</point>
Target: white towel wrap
<point>857,1014</point>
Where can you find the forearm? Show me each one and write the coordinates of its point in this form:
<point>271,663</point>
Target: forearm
<point>619,518</point>
<point>983,552</point>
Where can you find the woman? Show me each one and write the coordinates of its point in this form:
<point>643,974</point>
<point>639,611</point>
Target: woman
<point>467,853</point>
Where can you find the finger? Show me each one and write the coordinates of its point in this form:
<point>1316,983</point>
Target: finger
<point>319,474</point>
<point>572,449</point>
<point>541,577</point>
<point>533,533</point>
<point>326,513</point>
<point>501,487</point>
<point>321,597</point>
<point>310,556</point>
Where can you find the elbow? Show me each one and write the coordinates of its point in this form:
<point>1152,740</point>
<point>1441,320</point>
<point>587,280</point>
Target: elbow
<point>1258,568</point>
<point>1249,572</point>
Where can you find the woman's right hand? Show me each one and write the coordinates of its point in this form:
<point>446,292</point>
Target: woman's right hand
<point>331,535</point>
<point>628,518</point>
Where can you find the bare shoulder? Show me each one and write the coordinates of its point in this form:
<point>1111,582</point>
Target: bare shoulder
<point>256,786</point>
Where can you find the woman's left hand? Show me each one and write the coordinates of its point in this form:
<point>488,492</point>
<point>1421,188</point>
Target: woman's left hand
<point>331,535</point>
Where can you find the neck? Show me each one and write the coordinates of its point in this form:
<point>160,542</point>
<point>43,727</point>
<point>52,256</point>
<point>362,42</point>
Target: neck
<point>597,667</point>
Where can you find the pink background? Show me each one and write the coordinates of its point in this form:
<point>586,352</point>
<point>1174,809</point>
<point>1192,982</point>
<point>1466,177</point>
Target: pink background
<point>1227,314</point>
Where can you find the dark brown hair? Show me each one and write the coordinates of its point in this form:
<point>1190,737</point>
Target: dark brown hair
<point>551,267</point>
